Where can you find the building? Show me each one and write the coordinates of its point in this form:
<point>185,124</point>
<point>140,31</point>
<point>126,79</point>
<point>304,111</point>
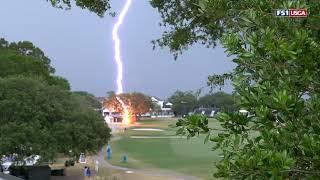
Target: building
<point>165,108</point>
<point>111,117</point>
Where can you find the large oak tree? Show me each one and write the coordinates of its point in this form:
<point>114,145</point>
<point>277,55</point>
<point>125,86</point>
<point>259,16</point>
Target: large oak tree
<point>183,102</point>
<point>139,103</point>
<point>39,114</point>
<point>220,100</point>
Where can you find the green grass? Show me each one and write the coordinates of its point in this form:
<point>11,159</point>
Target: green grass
<point>147,133</point>
<point>191,157</point>
<point>157,123</point>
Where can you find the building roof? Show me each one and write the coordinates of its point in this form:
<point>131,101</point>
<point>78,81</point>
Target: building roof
<point>155,99</point>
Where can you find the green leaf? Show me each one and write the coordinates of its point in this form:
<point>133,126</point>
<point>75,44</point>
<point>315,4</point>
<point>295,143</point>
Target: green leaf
<point>202,4</point>
<point>236,141</point>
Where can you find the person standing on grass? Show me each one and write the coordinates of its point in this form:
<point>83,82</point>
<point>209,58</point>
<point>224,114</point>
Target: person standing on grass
<point>88,173</point>
<point>109,152</point>
<point>85,171</point>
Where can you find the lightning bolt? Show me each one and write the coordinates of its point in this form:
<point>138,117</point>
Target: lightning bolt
<point>117,57</point>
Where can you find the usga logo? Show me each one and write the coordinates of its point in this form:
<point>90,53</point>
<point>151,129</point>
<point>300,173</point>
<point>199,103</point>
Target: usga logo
<point>292,12</point>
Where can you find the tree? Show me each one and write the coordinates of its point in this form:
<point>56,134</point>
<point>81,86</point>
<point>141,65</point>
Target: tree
<point>112,103</point>
<point>13,64</point>
<point>140,103</point>
<point>183,102</point>
<point>46,120</point>
<point>59,81</point>
<point>97,6</point>
<point>23,58</point>
<point>26,49</point>
<point>219,99</point>
<point>276,79</point>
<point>137,102</point>
<point>190,24</point>
<point>39,114</point>
<point>89,99</point>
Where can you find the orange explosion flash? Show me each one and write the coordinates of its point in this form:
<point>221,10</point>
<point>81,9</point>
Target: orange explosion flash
<point>126,112</point>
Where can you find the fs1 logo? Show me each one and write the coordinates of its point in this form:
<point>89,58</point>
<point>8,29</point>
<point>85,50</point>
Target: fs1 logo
<point>292,12</point>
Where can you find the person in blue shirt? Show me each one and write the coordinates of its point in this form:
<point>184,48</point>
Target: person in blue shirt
<point>109,151</point>
<point>88,173</point>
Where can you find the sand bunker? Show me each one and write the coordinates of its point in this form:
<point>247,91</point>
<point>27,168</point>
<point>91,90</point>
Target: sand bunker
<point>147,129</point>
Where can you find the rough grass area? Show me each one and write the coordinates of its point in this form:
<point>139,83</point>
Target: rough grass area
<point>190,157</point>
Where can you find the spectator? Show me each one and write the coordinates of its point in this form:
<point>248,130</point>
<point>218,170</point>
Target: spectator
<point>88,173</point>
<point>85,171</point>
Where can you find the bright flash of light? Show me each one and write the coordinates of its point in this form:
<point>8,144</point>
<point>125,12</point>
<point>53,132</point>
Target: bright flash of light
<point>126,112</point>
<point>117,56</point>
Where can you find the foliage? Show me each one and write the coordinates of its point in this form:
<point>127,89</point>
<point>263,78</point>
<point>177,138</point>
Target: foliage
<point>38,113</point>
<point>216,80</point>
<point>24,59</point>
<point>13,64</point>
<point>138,102</point>
<point>97,6</point>
<point>219,99</point>
<point>276,79</point>
<point>183,102</point>
<point>59,81</point>
<point>40,119</point>
<point>89,99</point>
<point>112,103</point>
<point>25,49</point>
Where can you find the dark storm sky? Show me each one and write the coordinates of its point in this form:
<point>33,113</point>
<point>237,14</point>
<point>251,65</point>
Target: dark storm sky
<point>80,46</point>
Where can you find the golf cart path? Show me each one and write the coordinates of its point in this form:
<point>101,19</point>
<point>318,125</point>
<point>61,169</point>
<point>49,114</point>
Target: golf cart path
<point>156,173</point>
